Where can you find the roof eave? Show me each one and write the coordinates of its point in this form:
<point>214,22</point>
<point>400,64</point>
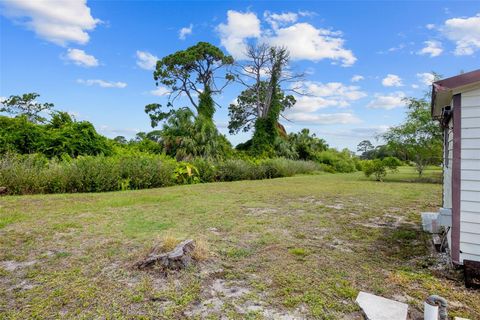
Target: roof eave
<point>443,90</point>
<point>441,97</point>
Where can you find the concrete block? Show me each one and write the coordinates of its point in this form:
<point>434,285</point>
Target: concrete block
<point>429,222</point>
<point>379,308</point>
<point>445,217</point>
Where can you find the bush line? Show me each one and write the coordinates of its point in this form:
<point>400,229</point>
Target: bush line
<point>34,174</point>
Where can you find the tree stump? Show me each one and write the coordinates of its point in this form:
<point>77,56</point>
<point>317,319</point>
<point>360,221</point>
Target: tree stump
<point>3,190</point>
<point>179,258</point>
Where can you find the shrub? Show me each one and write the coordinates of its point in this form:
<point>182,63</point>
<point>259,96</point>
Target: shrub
<point>63,135</point>
<point>22,174</point>
<point>280,167</point>
<point>93,174</point>
<point>206,168</point>
<point>392,163</point>
<point>358,163</point>
<point>232,170</point>
<point>327,168</point>
<point>335,161</point>
<point>345,165</point>
<point>375,167</point>
<point>28,174</point>
<point>274,168</point>
<point>146,171</point>
<point>186,173</point>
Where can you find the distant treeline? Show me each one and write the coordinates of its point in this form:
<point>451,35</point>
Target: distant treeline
<point>43,150</point>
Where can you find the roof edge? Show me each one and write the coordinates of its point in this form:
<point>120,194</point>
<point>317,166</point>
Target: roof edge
<point>442,90</point>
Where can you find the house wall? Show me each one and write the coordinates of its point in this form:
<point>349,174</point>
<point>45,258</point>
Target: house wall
<point>470,176</point>
<point>447,172</point>
<point>447,166</point>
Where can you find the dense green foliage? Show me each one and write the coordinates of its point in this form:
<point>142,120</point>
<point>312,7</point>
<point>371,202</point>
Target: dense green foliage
<point>185,137</point>
<point>190,132</point>
<point>307,146</point>
<point>26,174</point>
<point>190,72</point>
<point>61,136</point>
<point>263,101</point>
<point>378,167</point>
<point>29,174</point>
<point>266,131</point>
<point>336,161</point>
<point>244,112</point>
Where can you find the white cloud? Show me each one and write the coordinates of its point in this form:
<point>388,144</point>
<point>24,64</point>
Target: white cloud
<point>358,132</point>
<point>426,78</point>
<point>312,104</point>
<point>160,91</point>
<point>81,58</point>
<point>324,118</point>
<point>239,27</point>
<point>278,19</point>
<point>465,32</point>
<point>370,131</point>
<point>430,26</point>
<point>102,83</point>
<point>432,48</point>
<point>387,102</point>
<point>113,132</point>
<point>303,40</point>
<point>316,95</point>
<point>333,89</point>
<point>56,21</point>
<point>415,86</point>
<point>185,31</point>
<point>392,80</point>
<point>400,47</point>
<point>146,60</point>
<point>307,13</point>
<point>397,48</point>
<point>357,78</point>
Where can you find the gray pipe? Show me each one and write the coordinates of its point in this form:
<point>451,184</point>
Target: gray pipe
<point>441,303</point>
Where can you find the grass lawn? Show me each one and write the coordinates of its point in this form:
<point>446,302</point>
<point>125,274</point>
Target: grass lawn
<point>301,246</point>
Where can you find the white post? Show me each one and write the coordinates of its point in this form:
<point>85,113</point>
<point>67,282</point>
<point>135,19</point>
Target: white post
<point>430,312</point>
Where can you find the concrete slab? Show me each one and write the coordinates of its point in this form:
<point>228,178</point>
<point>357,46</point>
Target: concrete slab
<point>379,308</point>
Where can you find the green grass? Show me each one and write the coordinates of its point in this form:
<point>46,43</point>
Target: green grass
<point>431,174</point>
<point>308,241</point>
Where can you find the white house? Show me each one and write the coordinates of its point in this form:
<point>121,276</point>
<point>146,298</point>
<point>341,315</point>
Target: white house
<point>456,104</point>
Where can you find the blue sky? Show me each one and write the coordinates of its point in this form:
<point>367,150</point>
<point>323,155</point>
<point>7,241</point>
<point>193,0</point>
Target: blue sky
<point>94,59</point>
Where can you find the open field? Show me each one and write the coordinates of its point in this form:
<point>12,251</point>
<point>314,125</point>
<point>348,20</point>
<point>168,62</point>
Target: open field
<point>301,246</point>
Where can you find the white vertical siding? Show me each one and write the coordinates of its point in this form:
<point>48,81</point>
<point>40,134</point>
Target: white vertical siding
<point>470,177</point>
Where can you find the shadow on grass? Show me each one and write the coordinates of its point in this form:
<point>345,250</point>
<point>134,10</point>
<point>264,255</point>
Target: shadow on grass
<point>404,242</point>
<point>432,180</point>
<point>424,180</point>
